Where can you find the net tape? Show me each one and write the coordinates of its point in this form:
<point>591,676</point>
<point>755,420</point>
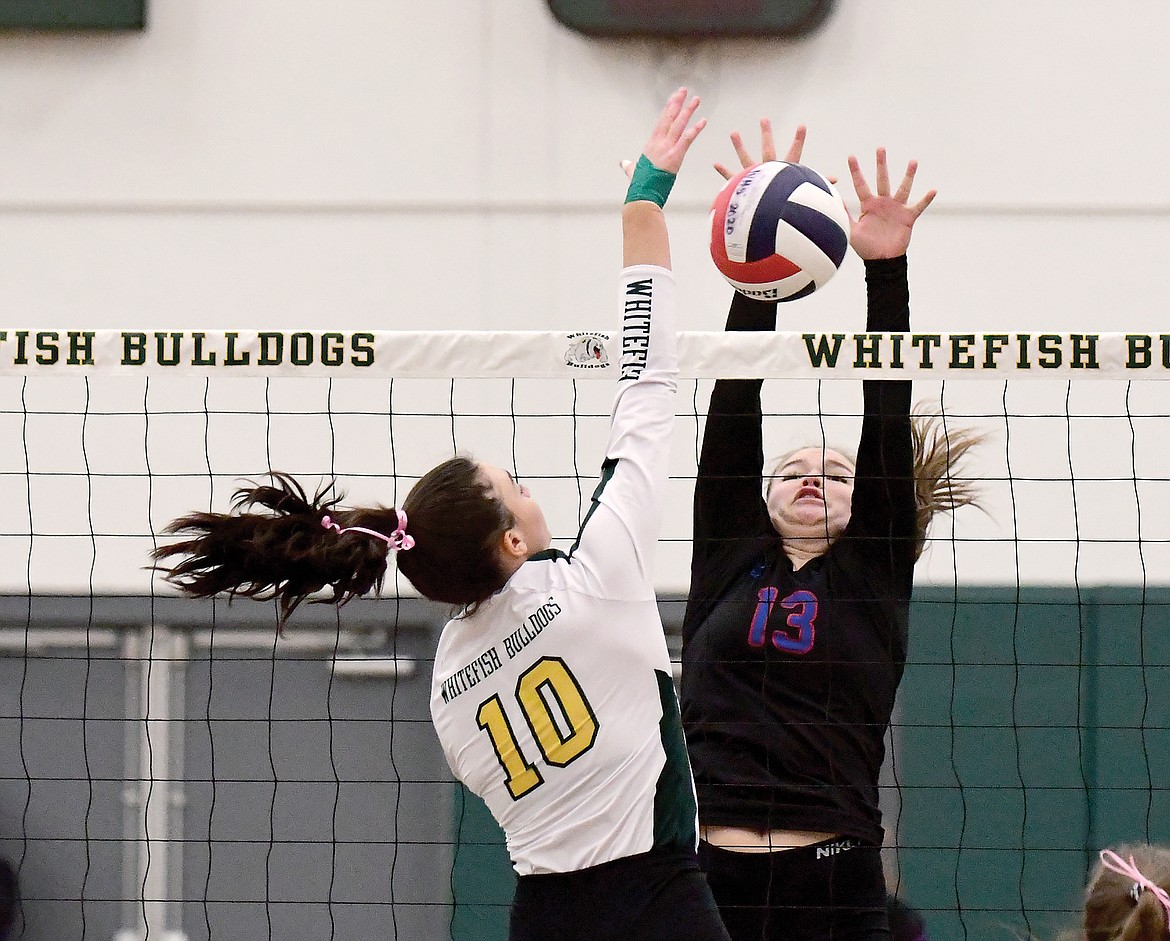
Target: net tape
<point>555,354</point>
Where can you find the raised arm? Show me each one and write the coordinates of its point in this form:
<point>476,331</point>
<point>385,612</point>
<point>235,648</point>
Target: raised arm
<point>729,503</point>
<point>645,240</point>
<point>883,494</point>
<point>620,533</point>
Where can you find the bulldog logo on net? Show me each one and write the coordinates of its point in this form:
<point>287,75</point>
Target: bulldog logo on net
<point>587,351</point>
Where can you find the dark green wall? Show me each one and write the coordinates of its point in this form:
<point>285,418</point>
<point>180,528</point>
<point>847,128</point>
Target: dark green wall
<point>482,880</point>
<point>1032,734</point>
<point>1034,729</point>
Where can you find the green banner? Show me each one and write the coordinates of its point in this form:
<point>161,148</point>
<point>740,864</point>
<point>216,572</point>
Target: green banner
<point>72,14</point>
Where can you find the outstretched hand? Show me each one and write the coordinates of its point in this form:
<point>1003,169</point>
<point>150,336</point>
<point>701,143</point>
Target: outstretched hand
<point>883,226</point>
<point>767,149</point>
<point>672,135</point>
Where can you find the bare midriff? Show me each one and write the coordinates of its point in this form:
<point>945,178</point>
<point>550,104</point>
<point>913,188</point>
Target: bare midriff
<point>747,840</point>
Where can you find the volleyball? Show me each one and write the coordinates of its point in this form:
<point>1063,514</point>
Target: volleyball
<point>779,231</point>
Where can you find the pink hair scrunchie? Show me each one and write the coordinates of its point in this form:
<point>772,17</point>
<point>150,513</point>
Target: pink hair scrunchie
<point>399,540</point>
<point>1110,860</point>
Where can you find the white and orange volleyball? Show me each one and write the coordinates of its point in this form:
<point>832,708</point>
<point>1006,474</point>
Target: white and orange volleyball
<point>779,231</point>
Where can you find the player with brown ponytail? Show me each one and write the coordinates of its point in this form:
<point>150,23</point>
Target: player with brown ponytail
<point>1128,897</point>
<point>551,692</point>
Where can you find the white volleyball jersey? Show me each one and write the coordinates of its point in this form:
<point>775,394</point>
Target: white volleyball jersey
<point>554,701</point>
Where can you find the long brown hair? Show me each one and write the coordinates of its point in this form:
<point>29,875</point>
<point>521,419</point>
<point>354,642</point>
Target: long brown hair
<point>1118,909</point>
<point>273,544</point>
<point>457,520</point>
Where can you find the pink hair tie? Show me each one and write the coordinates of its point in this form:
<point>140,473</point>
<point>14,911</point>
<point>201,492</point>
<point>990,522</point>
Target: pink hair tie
<point>1110,860</point>
<point>398,540</point>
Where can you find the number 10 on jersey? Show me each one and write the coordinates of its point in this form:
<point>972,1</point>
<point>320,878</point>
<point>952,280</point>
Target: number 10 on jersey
<point>547,685</point>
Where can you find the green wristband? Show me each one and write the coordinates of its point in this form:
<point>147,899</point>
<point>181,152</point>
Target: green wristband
<point>649,183</point>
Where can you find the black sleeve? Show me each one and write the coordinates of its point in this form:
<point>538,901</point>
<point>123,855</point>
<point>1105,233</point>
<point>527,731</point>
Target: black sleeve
<point>729,504</point>
<point>883,495</point>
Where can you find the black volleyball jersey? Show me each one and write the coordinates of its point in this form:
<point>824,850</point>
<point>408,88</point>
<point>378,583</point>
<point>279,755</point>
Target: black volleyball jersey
<point>789,677</point>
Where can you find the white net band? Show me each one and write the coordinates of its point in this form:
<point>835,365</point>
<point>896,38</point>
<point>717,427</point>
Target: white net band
<point>558,354</point>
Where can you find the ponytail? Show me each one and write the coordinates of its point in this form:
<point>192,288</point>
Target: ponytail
<point>1128,898</point>
<point>277,542</point>
<point>939,452</point>
<point>281,551</point>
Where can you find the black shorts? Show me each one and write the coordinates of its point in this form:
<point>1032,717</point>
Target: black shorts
<point>831,890</point>
<point>655,896</point>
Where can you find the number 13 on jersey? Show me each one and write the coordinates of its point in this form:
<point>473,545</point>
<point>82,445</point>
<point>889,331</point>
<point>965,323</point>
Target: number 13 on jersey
<point>545,688</point>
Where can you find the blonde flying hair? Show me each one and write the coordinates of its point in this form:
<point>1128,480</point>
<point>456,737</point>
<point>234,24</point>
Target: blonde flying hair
<point>939,458</point>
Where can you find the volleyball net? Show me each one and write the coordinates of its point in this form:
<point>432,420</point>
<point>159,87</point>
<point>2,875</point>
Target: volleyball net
<point>177,771</point>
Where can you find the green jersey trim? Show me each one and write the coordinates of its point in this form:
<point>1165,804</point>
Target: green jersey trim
<point>674,795</point>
